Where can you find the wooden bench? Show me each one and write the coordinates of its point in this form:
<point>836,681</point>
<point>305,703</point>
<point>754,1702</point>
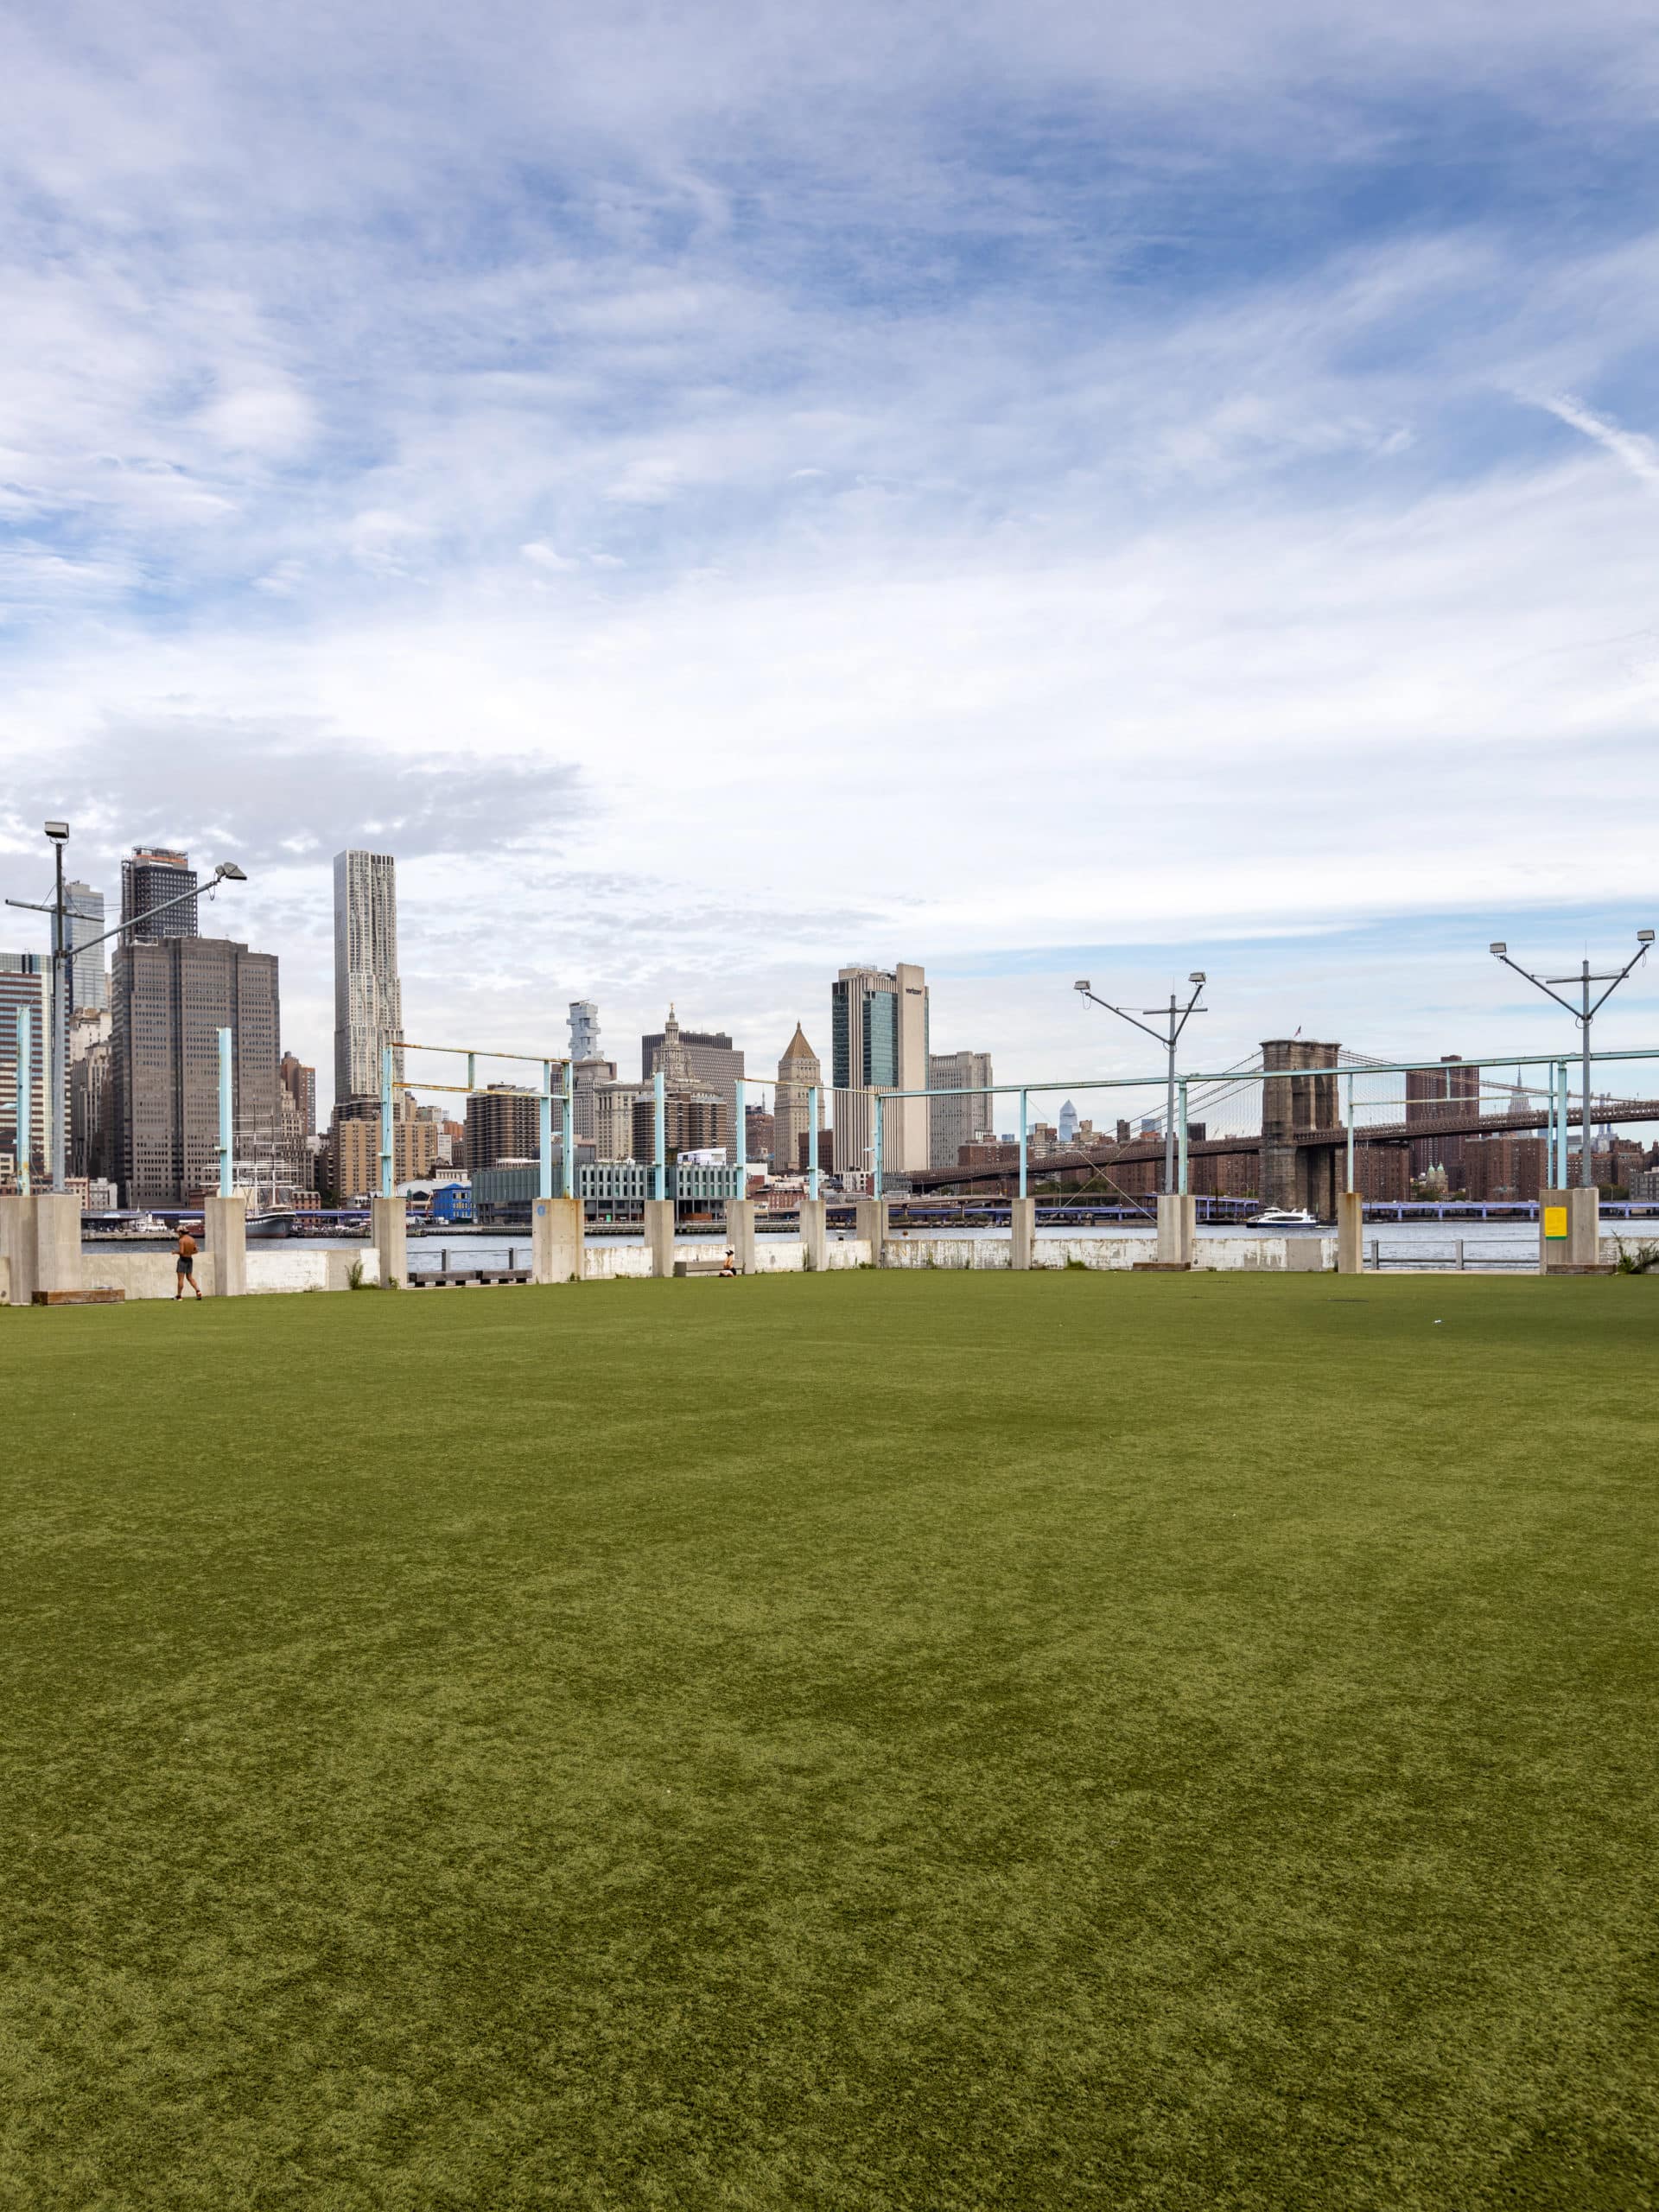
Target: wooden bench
<point>460,1278</point>
<point>107,1296</point>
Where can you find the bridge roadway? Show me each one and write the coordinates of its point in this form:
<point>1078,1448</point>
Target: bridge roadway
<point>1444,1121</point>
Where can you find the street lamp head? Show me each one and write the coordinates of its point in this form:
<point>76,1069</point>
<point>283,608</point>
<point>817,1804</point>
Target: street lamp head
<point>58,832</point>
<point>228,872</point>
<point>1082,986</point>
<point>1644,937</point>
<point>1198,976</point>
<point>1500,949</point>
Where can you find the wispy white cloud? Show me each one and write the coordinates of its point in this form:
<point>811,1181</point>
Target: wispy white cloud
<point>1640,454</point>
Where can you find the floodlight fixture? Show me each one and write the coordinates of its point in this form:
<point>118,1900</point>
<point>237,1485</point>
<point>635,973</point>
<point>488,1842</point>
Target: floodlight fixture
<point>1499,949</point>
<point>58,832</point>
<point>228,872</point>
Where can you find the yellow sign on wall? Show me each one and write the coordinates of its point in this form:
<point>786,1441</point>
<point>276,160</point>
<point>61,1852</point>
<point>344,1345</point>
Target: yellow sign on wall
<point>1555,1220</point>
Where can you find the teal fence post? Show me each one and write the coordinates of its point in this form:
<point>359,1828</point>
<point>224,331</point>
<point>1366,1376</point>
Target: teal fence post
<point>544,1135</point>
<point>659,1156</point>
<point>385,1121</point>
<point>812,1140</point>
<point>1180,1137</point>
<point>25,1102</point>
<point>1024,1141</point>
<point>226,1115</point>
<point>568,1129</point>
<point>1350,1116</point>
<point>875,1152</point>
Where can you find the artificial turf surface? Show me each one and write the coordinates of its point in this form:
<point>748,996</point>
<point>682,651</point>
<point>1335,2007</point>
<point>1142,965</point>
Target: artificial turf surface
<point>865,1740</point>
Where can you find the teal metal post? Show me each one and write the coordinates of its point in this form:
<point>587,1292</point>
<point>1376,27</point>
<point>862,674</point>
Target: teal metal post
<point>385,1121</point>
<point>544,1135</point>
<point>812,1140</point>
<point>567,1130</point>
<point>25,1102</point>
<point>659,1157</point>
<point>740,1139</point>
<point>1024,1096</point>
<point>1350,1116</point>
<point>1180,1137</point>
<point>1549,1132</point>
<point>226,1115</point>
<point>875,1152</point>
<point>1562,1112</point>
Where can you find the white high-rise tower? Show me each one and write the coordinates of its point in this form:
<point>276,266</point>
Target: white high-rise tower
<point>368,999</point>
<point>584,1030</point>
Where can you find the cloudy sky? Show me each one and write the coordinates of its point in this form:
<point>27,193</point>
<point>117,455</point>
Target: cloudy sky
<point>722,491</point>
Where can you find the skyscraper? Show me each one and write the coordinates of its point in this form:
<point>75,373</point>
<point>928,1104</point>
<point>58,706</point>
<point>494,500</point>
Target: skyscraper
<point>23,985</point>
<point>703,1059</point>
<point>956,1121</point>
<point>89,979</point>
<point>798,1074</point>
<point>150,878</point>
<point>368,998</point>
<point>301,1082</point>
<point>879,1037</point>
<point>170,999</point>
<point>584,1030</point>
<point>1068,1124</point>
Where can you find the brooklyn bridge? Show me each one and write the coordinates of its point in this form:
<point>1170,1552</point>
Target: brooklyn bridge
<point>1293,1130</point>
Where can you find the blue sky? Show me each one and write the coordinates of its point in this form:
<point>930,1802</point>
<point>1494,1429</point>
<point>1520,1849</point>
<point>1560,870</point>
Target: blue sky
<point>720,491</point>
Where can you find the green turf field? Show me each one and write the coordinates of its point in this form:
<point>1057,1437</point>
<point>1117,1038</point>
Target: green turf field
<point>854,1741</point>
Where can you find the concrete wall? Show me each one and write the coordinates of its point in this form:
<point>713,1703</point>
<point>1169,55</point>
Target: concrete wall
<point>278,1268</point>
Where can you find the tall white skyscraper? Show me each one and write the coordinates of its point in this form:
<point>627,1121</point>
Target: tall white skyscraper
<point>879,1024</point>
<point>368,999</point>
<point>89,977</point>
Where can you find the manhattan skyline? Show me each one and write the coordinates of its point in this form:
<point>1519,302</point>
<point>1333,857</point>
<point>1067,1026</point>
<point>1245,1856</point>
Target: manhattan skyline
<point>1025,495</point>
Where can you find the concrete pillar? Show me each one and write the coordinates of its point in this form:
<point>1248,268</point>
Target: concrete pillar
<point>1569,1230</point>
<point>557,1235</point>
<point>57,1241</point>
<point>739,1234</point>
<point>1177,1229</point>
<point>815,1236</point>
<point>870,1227</point>
<point>659,1235</point>
<point>17,1242</point>
<point>225,1230</point>
<point>390,1218</point>
<point>1023,1227</point>
<point>1350,1233</point>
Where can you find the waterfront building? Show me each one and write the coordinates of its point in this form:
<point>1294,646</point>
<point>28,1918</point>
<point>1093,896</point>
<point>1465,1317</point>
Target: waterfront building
<point>760,1135</point>
<point>368,996</point>
<point>799,1076</point>
<point>89,976</point>
<point>691,1121</point>
<point>92,1096</point>
<point>1453,1088</point>
<point>612,1105</point>
<point>503,1122</point>
<point>355,1150</point>
<point>300,1083</point>
<point>699,1058</point>
<point>958,1120</point>
<point>170,999</point>
<point>879,1020</point>
<point>585,1078</point>
<point>22,986</point>
<point>151,877</point>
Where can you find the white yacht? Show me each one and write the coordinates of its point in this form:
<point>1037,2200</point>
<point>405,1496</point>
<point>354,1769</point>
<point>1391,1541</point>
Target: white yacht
<point>1282,1218</point>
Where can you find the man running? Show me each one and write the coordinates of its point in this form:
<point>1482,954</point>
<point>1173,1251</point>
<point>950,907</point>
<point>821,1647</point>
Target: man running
<point>187,1267</point>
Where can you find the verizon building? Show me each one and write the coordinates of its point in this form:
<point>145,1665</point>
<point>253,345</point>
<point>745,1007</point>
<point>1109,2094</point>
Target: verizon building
<point>169,1001</point>
<point>879,1022</point>
<point>368,998</point>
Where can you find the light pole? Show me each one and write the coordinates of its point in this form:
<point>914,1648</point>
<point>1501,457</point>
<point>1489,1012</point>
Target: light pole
<point>1176,1018</point>
<point>61,965</point>
<point>1584,1013</point>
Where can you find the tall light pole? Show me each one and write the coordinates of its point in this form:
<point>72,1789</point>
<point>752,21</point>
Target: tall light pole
<point>1176,1018</point>
<point>61,965</point>
<point>1584,1013</point>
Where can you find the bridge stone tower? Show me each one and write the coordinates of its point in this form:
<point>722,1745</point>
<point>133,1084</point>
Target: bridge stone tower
<point>1299,1175</point>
